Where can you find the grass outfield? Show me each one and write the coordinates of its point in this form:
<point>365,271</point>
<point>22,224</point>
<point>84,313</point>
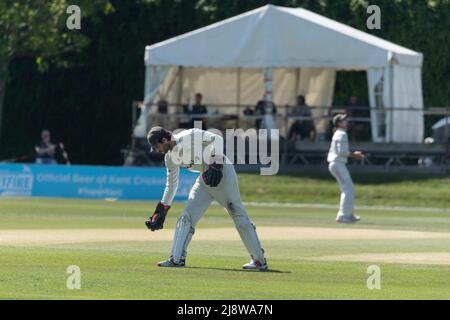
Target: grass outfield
<point>310,256</point>
<point>371,189</point>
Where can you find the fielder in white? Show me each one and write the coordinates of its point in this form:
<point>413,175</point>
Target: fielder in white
<point>217,181</point>
<point>337,159</point>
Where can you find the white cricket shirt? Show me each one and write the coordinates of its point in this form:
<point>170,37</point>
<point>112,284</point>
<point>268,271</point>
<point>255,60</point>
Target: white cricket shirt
<point>193,146</point>
<point>339,149</point>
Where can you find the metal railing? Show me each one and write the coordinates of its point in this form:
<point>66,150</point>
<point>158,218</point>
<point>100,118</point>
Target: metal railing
<point>223,114</point>
<point>223,117</point>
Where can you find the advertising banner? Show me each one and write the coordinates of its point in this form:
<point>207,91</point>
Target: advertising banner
<point>89,182</point>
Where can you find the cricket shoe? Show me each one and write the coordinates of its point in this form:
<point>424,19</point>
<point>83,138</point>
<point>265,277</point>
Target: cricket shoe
<point>169,263</point>
<point>350,219</point>
<point>256,265</point>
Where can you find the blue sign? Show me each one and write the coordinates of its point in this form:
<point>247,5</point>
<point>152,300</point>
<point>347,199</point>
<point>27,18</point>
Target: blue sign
<point>90,182</point>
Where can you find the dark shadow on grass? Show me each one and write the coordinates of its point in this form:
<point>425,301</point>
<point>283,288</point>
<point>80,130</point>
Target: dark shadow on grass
<point>239,270</point>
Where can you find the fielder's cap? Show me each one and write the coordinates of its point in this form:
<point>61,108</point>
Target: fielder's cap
<point>338,118</point>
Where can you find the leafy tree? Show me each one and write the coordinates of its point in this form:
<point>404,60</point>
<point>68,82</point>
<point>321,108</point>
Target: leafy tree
<point>38,28</point>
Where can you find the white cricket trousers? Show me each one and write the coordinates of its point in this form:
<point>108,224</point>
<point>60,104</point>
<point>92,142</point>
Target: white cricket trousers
<point>226,194</point>
<point>340,173</point>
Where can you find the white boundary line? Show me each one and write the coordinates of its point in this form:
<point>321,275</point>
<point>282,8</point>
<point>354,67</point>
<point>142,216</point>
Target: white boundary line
<point>330,206</point>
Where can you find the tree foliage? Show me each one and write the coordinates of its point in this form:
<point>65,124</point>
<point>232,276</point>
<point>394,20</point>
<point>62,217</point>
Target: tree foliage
<point>37,29</point>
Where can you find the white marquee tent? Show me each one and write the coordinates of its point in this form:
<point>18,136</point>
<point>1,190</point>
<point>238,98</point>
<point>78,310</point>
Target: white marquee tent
<point>226,61</point>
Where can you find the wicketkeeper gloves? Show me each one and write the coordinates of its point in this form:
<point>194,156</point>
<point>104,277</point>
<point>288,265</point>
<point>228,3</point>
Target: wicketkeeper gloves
<point>213,175</point>
<point>156,221</point>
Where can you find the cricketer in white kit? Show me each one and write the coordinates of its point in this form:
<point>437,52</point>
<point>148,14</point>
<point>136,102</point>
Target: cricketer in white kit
<point>337,165</point>
<point>201,151</point>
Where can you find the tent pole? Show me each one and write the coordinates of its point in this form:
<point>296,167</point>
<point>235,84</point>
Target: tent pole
<point>284,159</point>
<point>146,109</point>
<point>169,88</point>
<point>238,93</point>
<point>268,95</point>
<point>180,85</point>
<point>391,95</point>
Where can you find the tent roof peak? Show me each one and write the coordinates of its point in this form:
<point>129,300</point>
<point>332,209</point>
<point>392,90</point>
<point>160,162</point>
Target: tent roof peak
<point>270,30</point>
